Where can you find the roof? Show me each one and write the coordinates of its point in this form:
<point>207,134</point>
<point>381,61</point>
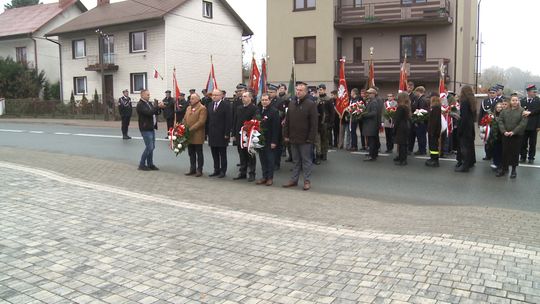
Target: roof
<point>28,19</point>
<point>129,11</point>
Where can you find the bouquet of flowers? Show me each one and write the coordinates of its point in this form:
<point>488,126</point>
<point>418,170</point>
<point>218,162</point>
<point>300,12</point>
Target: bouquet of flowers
<point>179,138</point>
<point>419,116</point>
<point>390,113</point>
<point>486,126</point>
<point>251,137</point>
<point>356,110</point>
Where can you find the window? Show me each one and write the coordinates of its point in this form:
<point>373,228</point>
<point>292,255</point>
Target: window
<point>207,9</point>
<point>304,5</point>
<point>108,49</point>
<point>20,53</point>
<point>414,46</point>
<point>409,2</point>
<point>358,3</point>
<point>357,49</point>
<point>138,82</point>
<point>305,50</point>
<point>137,42</point>
<point>339,48</point>
<point>79,84</point>
<point>79,49</point>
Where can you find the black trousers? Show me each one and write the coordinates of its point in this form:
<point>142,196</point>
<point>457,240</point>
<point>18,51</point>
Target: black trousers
<point>466,153</point>
<point>219,154</point>
<point>434,147</point>
<point>196,158</point>
<point>389,133</point>
<point>421,135</point>
<point>511,146</point>
<point>489,151</point>
<point>402,152</point>
<point>373,145</point>
<point>412,138</point>
<point>170,123</point>
<point>529,141</point>
<point>125,124</point>
<point>266,156</point>
<point>335,132</point>
<point>247,162</point>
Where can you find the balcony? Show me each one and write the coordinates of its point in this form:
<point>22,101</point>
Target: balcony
<point>108,62</point>
<point>387,70</point>
<point>392,13</point>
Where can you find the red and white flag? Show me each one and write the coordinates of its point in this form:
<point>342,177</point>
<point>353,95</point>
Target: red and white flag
<point>342,101</point>
<point>211,83</point>
<point>254,79</point>
<point>371,78</point>
<point>175,86</point>
<point>157,75</point>
<point>403,76</point>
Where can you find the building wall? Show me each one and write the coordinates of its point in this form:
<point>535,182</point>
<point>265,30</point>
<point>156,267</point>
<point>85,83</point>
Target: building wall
<point>191,42</point>
<point>283,24</point>
<point>466,42</point>
<point>127,62</point>
<point>7,49</point>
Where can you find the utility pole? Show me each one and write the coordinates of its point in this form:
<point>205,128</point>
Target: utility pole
<point>477,48</point>
<point>101,39</point>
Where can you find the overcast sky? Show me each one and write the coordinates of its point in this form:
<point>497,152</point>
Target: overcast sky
<point>508,29</point>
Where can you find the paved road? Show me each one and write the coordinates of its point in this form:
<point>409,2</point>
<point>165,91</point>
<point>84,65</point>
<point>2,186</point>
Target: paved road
<point>70,240</point>
<point>343,174</point>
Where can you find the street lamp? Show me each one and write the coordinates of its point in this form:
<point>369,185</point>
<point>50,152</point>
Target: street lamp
<point>101,38</point>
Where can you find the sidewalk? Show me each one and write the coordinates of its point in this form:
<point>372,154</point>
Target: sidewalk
<point>77,122</point>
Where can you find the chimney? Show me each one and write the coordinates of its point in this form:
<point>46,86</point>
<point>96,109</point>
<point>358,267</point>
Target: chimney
<point>103,2</point>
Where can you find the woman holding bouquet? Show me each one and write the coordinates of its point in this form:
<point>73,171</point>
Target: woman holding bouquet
<point>465,130</point>
<point>402,128</point>
<point>195,120</point>
<point>512,126</point>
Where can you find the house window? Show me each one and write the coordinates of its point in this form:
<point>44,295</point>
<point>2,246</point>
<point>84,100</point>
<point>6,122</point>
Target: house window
<point>108,49</point>
<point>20,53</point>
<point>414,46</point>
<point>207,9</point>
<point>138,82</point>
<point>339,48</point>
<point>357,49</point>
<point>137,42</point>
<point>304,5</point>
<point>409,2</point>
<point>358,3</point>
<point>79,49</point>
<point>80,86</point>
<point>305,49</point>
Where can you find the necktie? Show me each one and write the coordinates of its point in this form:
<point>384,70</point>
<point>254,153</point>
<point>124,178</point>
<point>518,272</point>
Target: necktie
<point>215,106</point>
<point>530,100</point>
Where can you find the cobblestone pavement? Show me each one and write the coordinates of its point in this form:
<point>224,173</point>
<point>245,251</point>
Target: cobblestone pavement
<point>69,239</point>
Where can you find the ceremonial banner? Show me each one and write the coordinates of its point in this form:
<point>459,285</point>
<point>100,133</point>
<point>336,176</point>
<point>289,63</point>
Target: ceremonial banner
<point>262,80</point>
<point>211,84</point>
<point>292,83</point>
<point>403,76</point>
<point>254,78</point>
<point>342,101</point>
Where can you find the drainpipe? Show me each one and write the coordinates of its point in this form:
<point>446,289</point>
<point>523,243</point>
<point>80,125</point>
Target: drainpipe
<point>455,45</point>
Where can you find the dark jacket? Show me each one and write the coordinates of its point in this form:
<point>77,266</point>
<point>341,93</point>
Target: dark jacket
<point>402,125</point>
<point>219,124</point>
<point>434,122</point>
<point>512,120</point>
<point>533,118</point>
<point>325,108</point>
<point>146,111</point>
<point>466,122</point>
<point>486,106</point>
<point>181,108</point>
<point>168,111</point>
<point>241,115</point>
<point>124,106</point>
<point>301,121</point>
<point>270,124</point>
<point>371,120</point>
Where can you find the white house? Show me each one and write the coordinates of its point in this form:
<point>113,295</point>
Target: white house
<point>23,29</point>
<point>139,37</point>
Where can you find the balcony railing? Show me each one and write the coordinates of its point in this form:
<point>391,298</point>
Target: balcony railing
<point>108,62</point>
<point>388,70</point>
<point>385,14</point>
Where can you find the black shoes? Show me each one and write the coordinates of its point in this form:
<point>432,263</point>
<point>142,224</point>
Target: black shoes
<point>462,168</point>
<point>251,178</point>
<point>221,175</point>
<point>152,167</point>
<point>288,160</point>
<point>419,153</point>
<point>531,161</point>
<point>500,173</point>
<point>126,137</point>
<point>432,163</point>
<point>143,168</point>
<point>214,174</point>
<point>513,174</point>
<point>241,176</point>
<point>369,158</point>
<point>189,173</point>
<point>400,163</point>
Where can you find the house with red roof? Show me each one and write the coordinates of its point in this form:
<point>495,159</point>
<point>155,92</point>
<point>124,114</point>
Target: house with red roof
<point>120,45</point>
<point>23,29</point>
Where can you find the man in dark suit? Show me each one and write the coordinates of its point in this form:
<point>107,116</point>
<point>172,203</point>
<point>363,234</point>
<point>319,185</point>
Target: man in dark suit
<point>125,109</point>
<point>531,104</point>
<point>500,97</point>
<point>414,105</point>
<point>168,111</point>
<point>371,121</point>
<point>219,130</point>
<point>271,129</point>
<point>487,106</point>
<point>244,112</point>
<point>181,108</point>
<point>421,127</point>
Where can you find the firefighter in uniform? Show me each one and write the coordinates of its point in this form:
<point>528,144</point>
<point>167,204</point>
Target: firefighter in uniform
<point>125,109</point>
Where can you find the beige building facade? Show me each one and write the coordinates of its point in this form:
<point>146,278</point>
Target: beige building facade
<point>316,33</point>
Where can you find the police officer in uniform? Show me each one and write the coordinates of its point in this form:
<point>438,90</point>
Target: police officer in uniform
<point>125,109</point>
<point>325,109</point>
<point>488,106</point>
<point>500,97</point>
<point>531,105</point>
<point>275,102</point>
<point>168,111</point>
<point>282,105</point>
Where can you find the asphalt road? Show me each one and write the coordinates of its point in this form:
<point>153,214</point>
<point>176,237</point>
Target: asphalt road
<point>344,173</point>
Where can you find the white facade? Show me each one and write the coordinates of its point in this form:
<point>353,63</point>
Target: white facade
<point>175,41</point>
<point>48,56</point>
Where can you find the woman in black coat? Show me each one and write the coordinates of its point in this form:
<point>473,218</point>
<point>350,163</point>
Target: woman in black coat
<point>465,130</point>
<point>402,128</point>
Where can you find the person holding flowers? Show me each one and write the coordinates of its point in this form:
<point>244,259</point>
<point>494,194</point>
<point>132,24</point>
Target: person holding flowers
<point>271,129</point>
<point>512,124</point>
<point>390,107</point>
<point>244,112</point>
<point>195,121</point>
